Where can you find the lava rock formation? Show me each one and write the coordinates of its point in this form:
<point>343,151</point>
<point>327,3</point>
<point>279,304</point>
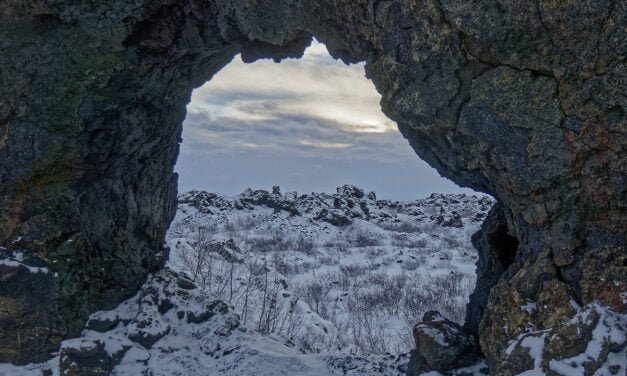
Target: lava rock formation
<point>524,100</point>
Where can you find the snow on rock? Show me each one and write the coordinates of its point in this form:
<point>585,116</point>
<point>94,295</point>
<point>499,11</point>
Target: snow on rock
<point>606,345</point>
<point>441,345</point>
<point>561,350</point>
<point>529,307</point>
<point>17,259</point>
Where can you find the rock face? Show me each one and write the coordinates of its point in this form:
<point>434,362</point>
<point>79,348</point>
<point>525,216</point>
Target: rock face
<point>524,100</point>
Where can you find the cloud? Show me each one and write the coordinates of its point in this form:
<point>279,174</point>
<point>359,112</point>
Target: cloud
<point>315,86</point>
<point>290,135</point>
<point>324,145</point>
<point>314,117</point>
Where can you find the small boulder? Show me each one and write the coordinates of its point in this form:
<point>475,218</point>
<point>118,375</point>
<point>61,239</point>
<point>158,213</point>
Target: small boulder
<point>334,217</point>
<point>350,191</point>
<point>146,329</point>
<point>85,358</point>
<point>215,307</point>
<point>441,345</point>
<point>185,284</point>
<point>103,321</point>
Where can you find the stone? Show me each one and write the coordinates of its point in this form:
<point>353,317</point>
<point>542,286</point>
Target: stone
<point>87,358</point>
<point>604,277</point>
<point>591,339</point>
<point>453,219</point>
<point>25,296</point>
<point>518,99</point>
<point>215,307</point>
<point>185,284</point>
<point>441,345</point>
<point>562,258</point>
<point>146,329</point>
<point>334,217</point>
<point>102,322</point>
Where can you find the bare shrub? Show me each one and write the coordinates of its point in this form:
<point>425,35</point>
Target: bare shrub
<point>304,245</point>
<point>280,264</point>
<point>399,239</point>
<point>315,294</point>
<point>452,242</point>
<point>353,271</point>
<point>441,293</point>
<point>406,227</point>
<point>291,268</point>
<point>373,253</point>
<point>361,238</point>
<point>276,242</point>
<point>328,259</point>
<point>198,260</point>
<point>419,243</point>
<point>411,264</point>
<point>229,227</point>
<point>249,222</point>
<point>342,247</point>
<point>368,332</point>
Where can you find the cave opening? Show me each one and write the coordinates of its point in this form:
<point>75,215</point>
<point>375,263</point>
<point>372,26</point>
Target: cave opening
<point>505,246</point>
<point>366,265</point>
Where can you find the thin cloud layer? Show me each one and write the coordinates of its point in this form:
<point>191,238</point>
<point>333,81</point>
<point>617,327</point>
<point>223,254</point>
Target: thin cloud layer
<point>315,111</point>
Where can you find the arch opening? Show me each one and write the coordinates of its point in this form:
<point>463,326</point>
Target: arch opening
<point>95,94</point>
<point>366,267</point>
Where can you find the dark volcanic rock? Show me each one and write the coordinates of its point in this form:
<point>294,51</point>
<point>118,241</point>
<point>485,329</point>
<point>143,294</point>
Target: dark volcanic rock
<point>334,217</point>
<point>102,324</point>
<point>26,295</point>
<point>441,345</point>
<point>519,99</point>
<point>86,358</point>
<point>497,250</point>
<point>216,307</point>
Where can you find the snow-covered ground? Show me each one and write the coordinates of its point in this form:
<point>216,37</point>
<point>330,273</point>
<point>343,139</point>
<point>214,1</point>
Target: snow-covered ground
<point>337,272</point>
<point>287,284</point>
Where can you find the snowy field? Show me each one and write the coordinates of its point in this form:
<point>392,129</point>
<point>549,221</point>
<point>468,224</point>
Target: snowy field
<point>343,272</point>
<point>265,283</point>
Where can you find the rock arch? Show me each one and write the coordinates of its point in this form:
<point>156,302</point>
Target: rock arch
<point>524,100</point>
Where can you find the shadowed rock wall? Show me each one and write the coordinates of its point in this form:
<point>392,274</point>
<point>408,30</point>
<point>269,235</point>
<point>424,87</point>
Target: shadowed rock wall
<point>524,100</point>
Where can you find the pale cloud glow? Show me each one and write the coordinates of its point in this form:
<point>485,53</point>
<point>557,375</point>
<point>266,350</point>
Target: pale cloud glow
<point>305,87</point>
<point>307,125</point>
<point>324,145</point>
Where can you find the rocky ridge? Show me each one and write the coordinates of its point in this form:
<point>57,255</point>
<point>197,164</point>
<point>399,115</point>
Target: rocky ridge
<point>347,204</point>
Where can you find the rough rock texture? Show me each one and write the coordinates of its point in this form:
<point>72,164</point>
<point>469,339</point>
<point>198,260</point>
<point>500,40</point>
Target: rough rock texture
<point>86,358</point>
<point>497,250</point>
<point>524,100</point>
<point>441,345</point>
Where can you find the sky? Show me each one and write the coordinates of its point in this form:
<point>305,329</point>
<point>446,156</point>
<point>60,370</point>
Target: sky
<point>307,125</point>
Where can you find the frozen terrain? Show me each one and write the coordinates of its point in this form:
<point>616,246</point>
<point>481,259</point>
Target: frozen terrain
<point>265,283</point>
<point>270,284</point>
<point>331,272</point>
